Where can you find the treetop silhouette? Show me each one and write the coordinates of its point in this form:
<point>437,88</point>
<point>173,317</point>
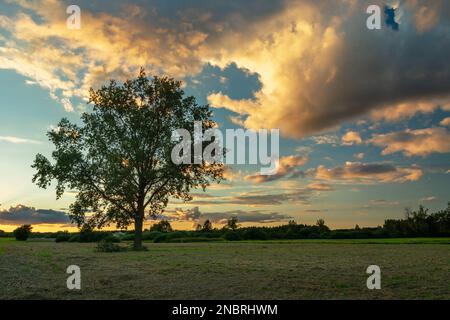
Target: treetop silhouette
<point>119,159</point>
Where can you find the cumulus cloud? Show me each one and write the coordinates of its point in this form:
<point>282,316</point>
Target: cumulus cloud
<point>28,215</point>
<point>427,13</point>
<point>326,139</point>
<point>318,64</point>
<point>286,167</point>
<point>422,142</point>
<point>317,79</point>
<point>108,45</point>
<point>357,172</point>
<point>351,138</point>
<point>405,110</point>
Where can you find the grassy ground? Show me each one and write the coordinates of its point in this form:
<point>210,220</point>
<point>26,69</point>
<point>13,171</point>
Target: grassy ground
<point>304,269</point>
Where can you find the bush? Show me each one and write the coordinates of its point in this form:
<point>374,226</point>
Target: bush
<point>128,237</point>
<point>254,234</point>
<point>232,236</point>
<point>192,239</point>
<point>22,233</point>
<point>74,238</point>
<point>62,237</point>
<point>108,246</point>
<point>314,235</point>
<point>162,226</point>
<point>111,239</point>
<point>150,235</point>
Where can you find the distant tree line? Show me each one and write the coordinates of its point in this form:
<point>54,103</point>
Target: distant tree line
<point>420,223</point>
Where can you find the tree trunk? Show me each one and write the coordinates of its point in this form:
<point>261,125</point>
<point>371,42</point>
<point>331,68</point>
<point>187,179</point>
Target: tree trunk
<point>138,223</point>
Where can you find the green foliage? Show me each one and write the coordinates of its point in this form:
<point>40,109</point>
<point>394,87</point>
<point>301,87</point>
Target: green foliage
<point>111,238</point>
<point>108,246</point>
<point>420,223</point>
<point>119,159</point>
<point>23,232</point>
<point>207,226</point>
<point>192,240</point>
<point>162,226</point>
<point>253,233</point>
<point>232,236</point>
<point>62,236</point>
<point>232,223</point>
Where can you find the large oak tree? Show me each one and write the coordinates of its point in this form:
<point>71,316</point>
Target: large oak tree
<point>119,160</point>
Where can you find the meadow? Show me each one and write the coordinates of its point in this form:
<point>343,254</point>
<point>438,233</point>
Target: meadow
<point>292,269</point>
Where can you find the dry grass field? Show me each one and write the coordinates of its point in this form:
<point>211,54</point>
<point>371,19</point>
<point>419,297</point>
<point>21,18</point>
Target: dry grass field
<point>321,269</point>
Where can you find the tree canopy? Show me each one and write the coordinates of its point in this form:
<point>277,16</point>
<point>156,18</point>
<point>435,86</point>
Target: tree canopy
<point>119,160</point>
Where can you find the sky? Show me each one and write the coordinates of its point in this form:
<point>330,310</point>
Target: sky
<point>364,115</point>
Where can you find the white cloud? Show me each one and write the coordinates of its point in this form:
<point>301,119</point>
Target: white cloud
<point>17,140</point>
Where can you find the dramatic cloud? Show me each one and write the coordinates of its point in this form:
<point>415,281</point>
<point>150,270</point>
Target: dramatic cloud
<point>287,167</point>
<point>318,64</point>
<point>357,172</point>
<point>351,138</point>
<point>409,109</point>
<point>326,67</point>
<point>28,215</point>
<point>420,142</point>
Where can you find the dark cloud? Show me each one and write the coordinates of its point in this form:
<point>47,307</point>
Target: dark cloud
<point>358,72</point>
<point>357,172</point>
<point>287,167</point>
<point>246,216</point>
<point>262,199</point>
<point>28,215</point>
<point>390,18</point>
<point>194,214</point>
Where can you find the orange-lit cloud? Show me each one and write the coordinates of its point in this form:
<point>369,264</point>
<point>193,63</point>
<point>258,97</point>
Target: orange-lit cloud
<point>420,142</point>
<point>445,122</point>
<point>303,52</point>
<point>357,172</point>
<point>351,138</point>
<point>285,167</point>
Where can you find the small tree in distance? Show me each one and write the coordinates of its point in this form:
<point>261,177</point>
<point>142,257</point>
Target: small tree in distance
<point>232,223</point>
<point>22,233</point>
<point>207,226</point>
<point>162,226</point>
<point>119,160</point>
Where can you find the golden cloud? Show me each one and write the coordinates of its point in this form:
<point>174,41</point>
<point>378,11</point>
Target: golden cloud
<point>422,142</point>
<point>357,172</point>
